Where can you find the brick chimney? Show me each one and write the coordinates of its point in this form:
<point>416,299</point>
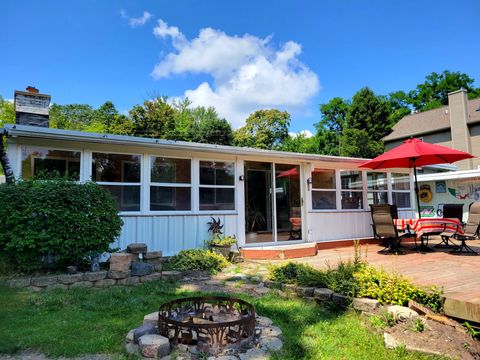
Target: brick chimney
<point>458,111</point>
<point>32,108</point>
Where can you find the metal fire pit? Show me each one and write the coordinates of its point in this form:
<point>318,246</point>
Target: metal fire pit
<point>210,322</point>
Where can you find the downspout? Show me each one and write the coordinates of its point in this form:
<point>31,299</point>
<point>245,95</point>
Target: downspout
<point>7,169</point>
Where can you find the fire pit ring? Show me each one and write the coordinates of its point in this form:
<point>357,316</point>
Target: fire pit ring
<point>210,322</point>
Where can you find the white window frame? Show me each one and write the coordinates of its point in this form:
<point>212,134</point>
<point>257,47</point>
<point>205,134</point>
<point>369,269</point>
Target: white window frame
<point>200,186</point>
<point>409,191</point>
<point>334,190</point>
<point>377,191</point>
<point>362,191</point>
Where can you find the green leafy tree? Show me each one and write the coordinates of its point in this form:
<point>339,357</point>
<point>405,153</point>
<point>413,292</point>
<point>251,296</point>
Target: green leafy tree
<point>300,143</point>
<point>209,128</point>
<point>7,112</point>
<point>399,106</point>
<point>358,143</point>
<point>155,119</point>
<point>71,116</point>
<point>264,129</point>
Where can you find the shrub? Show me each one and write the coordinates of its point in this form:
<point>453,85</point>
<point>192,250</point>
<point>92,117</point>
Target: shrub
<point>300,274</point>
<point>222,241</point>
<point>197,259</point>
<point>58,219</point>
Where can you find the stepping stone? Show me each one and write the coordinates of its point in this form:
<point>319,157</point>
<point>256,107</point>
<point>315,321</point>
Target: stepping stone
<point>154,346</point>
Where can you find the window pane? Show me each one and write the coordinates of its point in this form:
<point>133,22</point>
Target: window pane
<point>40,162</point>
<point>351,180</point>
<point>217,199</point>
<point>167,170</point>
<point>377,198</point>
<point>324,200</point>
<point>115,168</point>
<point>217,173</point>
<point>323,179</point>
<point>127,197</point>
<point>400,181</point>
<point>169,198</point>
<point>352,200</point>
<point>401,199</point>
<point>377,181</point>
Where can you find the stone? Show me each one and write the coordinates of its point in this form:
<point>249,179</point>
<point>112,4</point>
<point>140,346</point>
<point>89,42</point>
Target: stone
<point>58,286</point>
<point>172,275</point>
<point>390,341</point>
<point>132,349</point>
<point>154,346</point>
<point>340,300</point>
<point>271,331</point>
<point>402,313</point>
<point>151,318</point>
<point>158,267</point>
<point>19,282</point>
<point>262,290</point>
<point>81,284</point>
<point>132,280</point>
<point>104,283</point>
<point>263,321</point>
<point>95,275</point>
<point>141,269</point>
<point>168,357</point>
<point>129,337</point>
<point>117,275</point>
<point>365,305</point>
<point>137,248</point>
<point>305,291</point>
<point>151,277</point>
<point>70,279</point>
<point>272,284</point>
<point>43,281</point>
<point>222,357</point>
<point>72,269</point>
<point>143,330</point>
<point>289,287</point>
<point>271,343</point>
<point>254,354</point>
<point>323,294</point>
<point>151,255</point>
<point>121,261</point>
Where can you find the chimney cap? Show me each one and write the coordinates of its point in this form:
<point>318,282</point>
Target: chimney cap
<point>32,89</point>
<point>458,91</point>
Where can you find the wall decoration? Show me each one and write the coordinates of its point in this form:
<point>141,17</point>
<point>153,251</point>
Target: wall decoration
<point>427,211</point>
<point>440,187</point>
<point>465,192</point>
<point>425,193</point>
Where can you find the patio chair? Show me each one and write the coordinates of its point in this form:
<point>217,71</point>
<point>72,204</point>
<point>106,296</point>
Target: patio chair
<point>384,228</point>
<point>450,211</point>
<point>471,230</point>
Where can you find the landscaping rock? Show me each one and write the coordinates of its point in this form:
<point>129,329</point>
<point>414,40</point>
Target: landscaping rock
<point>141,269</point>
<point>271,331</point>
<point>132,349</point>
<point>143,330</point>
<point>158,267</point>
<point>43,281</point>
<point>390,341</point>
<point>81,284</point>
<point>172,275</point>
<point>151,277</point>
<point>95,275</point>
<point>104,283</point>
<point>72,269</point>
<point>305,291</point>
<point>132,280</point>
<point>263,321</point>
<point>254,354</point>
<point>121,261</point>
<point>152,255</point>
<point>151,319</point>
<point>129,337</point>
<point>117,275</point>
<point>272,284</point>
<point>402,313</point>
<point>323,294</point>
<point>340,300</point>
<point>19,282</point>
<point>365,305</point>
<point>58,286</point>
<point>137,248</point>
<point>261,290</point>
<point>271,343</point>
<point>289,287</point>
<point>70,279</point>
<point>154,346</point>
<point>222,357</point>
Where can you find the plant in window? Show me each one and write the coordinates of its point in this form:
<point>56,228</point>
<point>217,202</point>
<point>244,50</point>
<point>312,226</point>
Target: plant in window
<point>255,218</point>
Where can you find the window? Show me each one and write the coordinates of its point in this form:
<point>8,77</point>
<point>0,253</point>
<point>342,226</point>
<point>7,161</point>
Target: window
<point>401,190</point>
<point>120,175</point>
<point>170,184</point>
<point>323,190</point>
<point>351,190</point>
<point>377,188</point>
<point>44,162</point>
<point>217,185</point>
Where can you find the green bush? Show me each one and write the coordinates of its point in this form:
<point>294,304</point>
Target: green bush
<point>299,274</point>
<point>197,259</point>
<point>58,219</point>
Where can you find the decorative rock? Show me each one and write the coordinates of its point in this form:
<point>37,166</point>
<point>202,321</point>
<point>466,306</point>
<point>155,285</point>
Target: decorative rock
<point>262,290</point>
<point>323,294</point>
<point>222,357</point>
<point>95,276</point>
<point>19,282</point>
<point>143,330</point>
<point>365,305</point>
<point>390,341</point>
<point>137,248</point>
<point>263,321</point>
<point>151,277</point>
<point>172,275</point>
<point>121,261</point>
<point>72,269</point>
<point>402,313</point>
<point>141,269</point>
<point>132,349</point>
<point>305,291</point>
<point>289,287</point>
<point>117,275</point>
<point>43,281</point>
<point>340,300</point>
<point>151,319</point>
<point>271,331</point>
<point>105,283</point>
<point>254,354</point>
<point>132,280</point>
<point>154,346</point>
<point>271,343</point>
<point>129,337</point>
<point>158,267</point>
<point>81,284</point>
<point>70,279</point>
<point>151,255</point>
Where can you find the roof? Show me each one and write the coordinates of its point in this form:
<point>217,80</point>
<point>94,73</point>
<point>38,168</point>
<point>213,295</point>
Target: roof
<point>450,175</point>
<point>430,121</point>
<point>16,130</point>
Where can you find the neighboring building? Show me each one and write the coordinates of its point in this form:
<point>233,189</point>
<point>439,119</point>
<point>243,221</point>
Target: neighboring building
<point>456,125</point>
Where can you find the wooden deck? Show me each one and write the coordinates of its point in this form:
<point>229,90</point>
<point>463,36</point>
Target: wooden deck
<point>458,275</point>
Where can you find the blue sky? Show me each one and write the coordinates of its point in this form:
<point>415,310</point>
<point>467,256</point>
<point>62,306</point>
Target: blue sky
<point>236,55</point>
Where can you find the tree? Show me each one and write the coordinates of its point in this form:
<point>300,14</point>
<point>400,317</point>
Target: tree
<point>399,106</point>
<point>7,112</point>
<point>7,116</point>
<point>209,128</point>
<point>300,143</point>
<point>358,143</point>
<point>71,116</point>
<point>264,129</point>
<point>334,114</point>
<point>155,119</point>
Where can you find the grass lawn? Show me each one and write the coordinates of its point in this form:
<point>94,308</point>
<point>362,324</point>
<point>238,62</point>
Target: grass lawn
<point>86,321</point>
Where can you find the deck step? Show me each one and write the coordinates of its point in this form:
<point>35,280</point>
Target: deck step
<point>280,252</point>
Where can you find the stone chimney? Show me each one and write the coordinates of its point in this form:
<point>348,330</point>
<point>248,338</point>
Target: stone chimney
<point>458,111</point>
<point>31,107</point>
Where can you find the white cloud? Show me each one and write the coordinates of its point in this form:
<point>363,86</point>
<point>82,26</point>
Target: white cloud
<point>248,72</point>
<point>305,133</point>
<point>135,22</point>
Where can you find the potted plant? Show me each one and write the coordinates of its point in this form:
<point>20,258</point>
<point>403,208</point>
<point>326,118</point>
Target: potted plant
<point>220,244</point>
<point>255,219</point>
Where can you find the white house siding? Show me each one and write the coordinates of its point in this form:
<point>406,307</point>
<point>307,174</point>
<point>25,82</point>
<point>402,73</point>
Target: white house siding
<point>172,233</point>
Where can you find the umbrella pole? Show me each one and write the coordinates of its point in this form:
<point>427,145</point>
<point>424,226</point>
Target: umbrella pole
<point>416,191</point>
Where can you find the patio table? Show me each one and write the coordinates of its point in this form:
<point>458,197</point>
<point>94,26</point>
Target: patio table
<point>429,226</point>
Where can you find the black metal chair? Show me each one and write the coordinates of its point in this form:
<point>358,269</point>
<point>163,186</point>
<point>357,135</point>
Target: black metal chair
<point>471,231</point>
<point>450,211</point>
<point>384,228</point>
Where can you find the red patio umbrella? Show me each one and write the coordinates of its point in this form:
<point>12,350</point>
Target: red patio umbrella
<point>291,172</point>
<point>413,153</point>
